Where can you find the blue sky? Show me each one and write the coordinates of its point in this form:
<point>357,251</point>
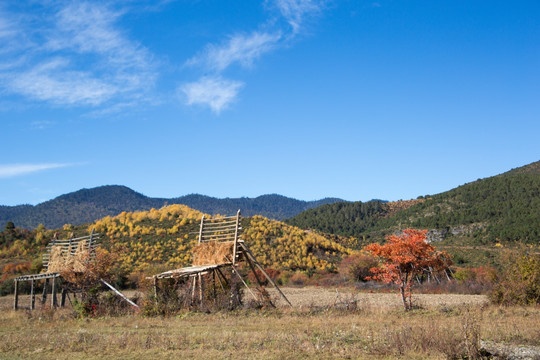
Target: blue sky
<point>384,99</point>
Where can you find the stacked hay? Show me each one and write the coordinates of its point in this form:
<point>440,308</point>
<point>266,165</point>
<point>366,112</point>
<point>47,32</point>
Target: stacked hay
<point>71,262</point>
<point>213,253</point>
<point>78,262</point>
<point>56,260</point>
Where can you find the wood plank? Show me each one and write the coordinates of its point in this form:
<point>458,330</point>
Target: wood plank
<point>32,296</point>
<point>54,302</point>
<point>16,295</point>
<point>201,229</point>
<point>119,293</point>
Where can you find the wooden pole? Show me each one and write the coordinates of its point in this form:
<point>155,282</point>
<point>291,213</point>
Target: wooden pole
<point>254,271</point>
<point>194,280</point>
<point>63,298</point>
<point>245,284</point>
<point>219,279</point>
<point>201,229</point>
<point>16,299</point>
<point>236,237</point>
<point>32,296</point>
<point>200,289</point>
<point>250,255</point>
<point>54,302</point>
<point>214,283</point>
<point>223,277</point>
<point>155,288</point>
<point>119,293</point>
<point>44,295</point>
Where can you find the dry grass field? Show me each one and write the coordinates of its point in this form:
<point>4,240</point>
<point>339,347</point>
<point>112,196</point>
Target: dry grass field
<point>318,327</point>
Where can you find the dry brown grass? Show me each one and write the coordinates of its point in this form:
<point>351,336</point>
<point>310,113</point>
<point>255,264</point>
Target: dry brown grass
<point>375,329</point>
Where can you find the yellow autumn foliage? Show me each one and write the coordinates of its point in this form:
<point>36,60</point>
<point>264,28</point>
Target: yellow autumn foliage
<point>167,236</point>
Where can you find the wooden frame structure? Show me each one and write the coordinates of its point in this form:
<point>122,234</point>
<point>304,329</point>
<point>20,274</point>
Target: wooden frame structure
<point>68,248</point>
<point>223,229</point>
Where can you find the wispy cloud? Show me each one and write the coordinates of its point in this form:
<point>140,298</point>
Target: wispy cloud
<point>240,48</point>
<point>53,81</point>
<point>244,49</point>
<point>215,92</point>
<point>296,11</point>
<point>75,55</point>
<point>42,124</point>
<point>7,171</point>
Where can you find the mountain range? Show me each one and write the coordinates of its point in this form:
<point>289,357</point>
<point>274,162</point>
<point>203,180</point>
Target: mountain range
<point>87,205</point>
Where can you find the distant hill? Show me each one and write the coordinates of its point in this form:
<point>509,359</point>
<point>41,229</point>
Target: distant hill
<point>349,218</point>
<point>502,208</point>
<point>87,205</point>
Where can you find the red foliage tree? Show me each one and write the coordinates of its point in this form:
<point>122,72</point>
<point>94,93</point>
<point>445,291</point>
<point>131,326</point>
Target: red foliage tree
<point>404,257</point>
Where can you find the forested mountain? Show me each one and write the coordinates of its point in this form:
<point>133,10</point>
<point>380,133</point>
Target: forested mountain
<point>349,218</point>
<point>87,205</point>
<point>503,208</point>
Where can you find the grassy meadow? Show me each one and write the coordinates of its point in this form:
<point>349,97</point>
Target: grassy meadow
<point>323,324</point>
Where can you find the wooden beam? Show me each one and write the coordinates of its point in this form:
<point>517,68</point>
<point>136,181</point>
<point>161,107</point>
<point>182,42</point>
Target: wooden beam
<point>236,237</point>
<point>16,295</point>
<point>63,298</point>
<point>200,289</point>
<point>54,302</point>
<point>222,276</point>
<point>44,295</point>
<point>219,279</point>
<point>32,296</point>
<point>119,293</point>
<point>245,284</point>
<point>252,257</point>
<point>194,280</point>
<point>250,263</point>
<point>201,229</point>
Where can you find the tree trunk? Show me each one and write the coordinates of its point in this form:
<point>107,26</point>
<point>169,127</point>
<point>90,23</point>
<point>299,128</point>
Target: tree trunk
<point>403,297</point>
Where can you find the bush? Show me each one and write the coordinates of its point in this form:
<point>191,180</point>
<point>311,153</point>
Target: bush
<point>357,266</point>
<point>299,278</point>
<point>7,287</point>
<point>519,283</point>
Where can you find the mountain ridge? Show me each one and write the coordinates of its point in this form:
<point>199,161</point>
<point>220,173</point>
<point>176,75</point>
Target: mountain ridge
<point>500,208</point>
<point>87,205</point>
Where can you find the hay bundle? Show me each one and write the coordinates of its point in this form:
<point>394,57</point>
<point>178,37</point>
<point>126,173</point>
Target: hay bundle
<point>56,261</point>
<point>213,253</point>
<point>81,257</point>
<point>77,262</point>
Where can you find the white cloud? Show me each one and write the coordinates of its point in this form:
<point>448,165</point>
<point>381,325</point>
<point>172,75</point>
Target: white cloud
<point>52,82</point>
<point>77,55</point>
<point>295,11</point>
<point>215,92</point>
<point>7,171</point>
<point>243,49</point>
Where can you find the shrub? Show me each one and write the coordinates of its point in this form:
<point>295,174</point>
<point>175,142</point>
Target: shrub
<point>519,283</point>
<point>299,278</point>
<point>357,266</point>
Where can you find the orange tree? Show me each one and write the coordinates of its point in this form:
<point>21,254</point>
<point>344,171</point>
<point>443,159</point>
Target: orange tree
<point>404,257</point>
